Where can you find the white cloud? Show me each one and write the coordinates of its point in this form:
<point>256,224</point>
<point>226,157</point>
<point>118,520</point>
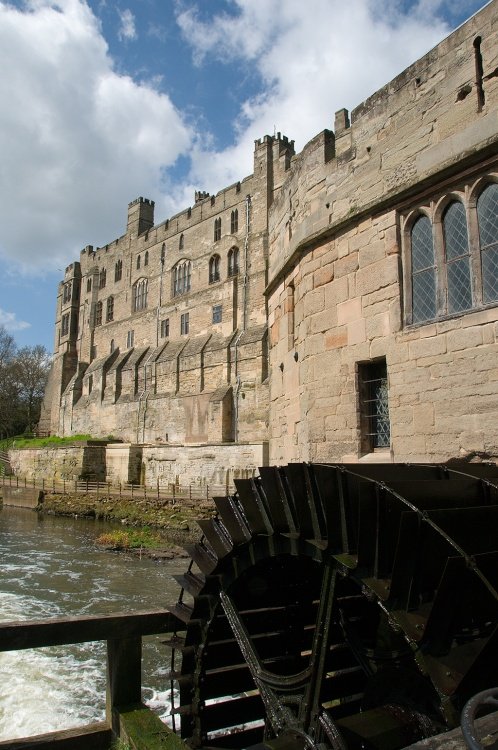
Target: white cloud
<point>78,141</point>
<point>127,29</point>
<point>10,322</point>
<point>313,59</point>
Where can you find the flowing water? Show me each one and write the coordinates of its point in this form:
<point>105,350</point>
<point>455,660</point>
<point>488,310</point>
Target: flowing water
<point>50,567</point>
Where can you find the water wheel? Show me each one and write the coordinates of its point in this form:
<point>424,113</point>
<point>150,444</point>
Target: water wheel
<point>340,606</point>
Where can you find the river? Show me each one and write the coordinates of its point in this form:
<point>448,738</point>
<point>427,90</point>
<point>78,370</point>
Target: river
<point>50,567</point>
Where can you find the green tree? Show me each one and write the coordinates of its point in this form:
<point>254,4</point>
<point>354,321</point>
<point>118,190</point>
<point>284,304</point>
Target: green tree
<point>23,376</point>
<point>32,367</point>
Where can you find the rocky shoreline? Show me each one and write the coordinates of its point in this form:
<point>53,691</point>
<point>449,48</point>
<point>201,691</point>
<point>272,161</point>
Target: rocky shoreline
<point>174,525</point>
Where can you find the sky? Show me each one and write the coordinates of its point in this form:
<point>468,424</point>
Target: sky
<point>103,101</point>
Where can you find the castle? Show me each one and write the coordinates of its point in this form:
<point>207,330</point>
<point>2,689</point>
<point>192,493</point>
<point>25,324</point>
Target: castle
<point>339,304</point>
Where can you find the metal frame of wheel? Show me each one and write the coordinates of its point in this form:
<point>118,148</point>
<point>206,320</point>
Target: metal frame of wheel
<point>339,606</point>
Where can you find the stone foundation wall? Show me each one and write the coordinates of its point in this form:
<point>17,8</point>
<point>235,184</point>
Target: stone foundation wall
<point>69,462</point>
<point>143,464</point>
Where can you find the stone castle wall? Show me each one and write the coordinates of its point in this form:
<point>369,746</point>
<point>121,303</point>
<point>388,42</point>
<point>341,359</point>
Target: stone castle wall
<point>340,281</point>
<point>319,325</point>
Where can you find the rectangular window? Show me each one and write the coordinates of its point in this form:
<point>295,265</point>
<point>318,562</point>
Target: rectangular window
<point>184,324</point>
<point>65,325</point>
<point>374,406</point>
<point>217,313</point>
<point>89,284</point>
<point>109,310</point>
<point>98,314</point>
<point>66,294</point>
<point>165,328</point>
<point>130,339</point>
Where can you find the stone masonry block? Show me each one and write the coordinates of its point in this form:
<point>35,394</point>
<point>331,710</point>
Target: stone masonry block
<point>466,338</point>
<point>349,311</point>
<point>428,347</point>
<point>323,275</point>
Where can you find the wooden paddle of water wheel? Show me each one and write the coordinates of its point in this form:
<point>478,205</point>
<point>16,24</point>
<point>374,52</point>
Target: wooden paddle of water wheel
<point>340,607</point>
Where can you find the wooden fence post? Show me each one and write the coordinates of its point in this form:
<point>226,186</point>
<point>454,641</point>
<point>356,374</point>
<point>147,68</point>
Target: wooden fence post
<point>124,676</point>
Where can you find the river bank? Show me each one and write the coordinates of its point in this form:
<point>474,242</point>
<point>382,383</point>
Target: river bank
<point>174,525</point>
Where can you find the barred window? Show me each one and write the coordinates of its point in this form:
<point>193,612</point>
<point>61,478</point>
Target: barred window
<point>214,269</point>
<point>234,221</point>
<point>118,270</point>
<point>140,295</point>
<point>184,324</point>
<point>98,314</point>
<point>165,328</point>
<point>109,314</point>
<point>374,406</point>
<point>233,261</point>
<point>182,277</point>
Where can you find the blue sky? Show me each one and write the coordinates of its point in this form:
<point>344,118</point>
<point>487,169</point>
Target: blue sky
<point>105,101</point>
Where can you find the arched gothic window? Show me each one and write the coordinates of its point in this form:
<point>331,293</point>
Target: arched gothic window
<point>181,242</point>
<point>118,270</point>
<point>102,278</point>
<point>146,258</point>
<point>487,217</point>
<point>423,271</point>
<point>234,221</point>
<point>138,262</point>
<point>182,277</point>
<point>456,245</point>
<point>233,261</point>
<point>140,295</point>
<point>214,269</point>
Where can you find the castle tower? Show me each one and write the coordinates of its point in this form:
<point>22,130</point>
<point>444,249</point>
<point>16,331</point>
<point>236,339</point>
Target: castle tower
<point>140,216</point>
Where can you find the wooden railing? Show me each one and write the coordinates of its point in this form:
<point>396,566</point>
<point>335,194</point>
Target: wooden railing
<point>123,634</point>
<point>192,494</point>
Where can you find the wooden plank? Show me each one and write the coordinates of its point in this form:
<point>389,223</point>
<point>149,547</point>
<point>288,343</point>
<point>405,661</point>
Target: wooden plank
<point>143,730</point>
<point>65,630</point>
<point>486,728</point>
<point>96,736</point>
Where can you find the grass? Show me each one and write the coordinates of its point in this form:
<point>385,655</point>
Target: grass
<point>130,539</point>
<point>44,442</point>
